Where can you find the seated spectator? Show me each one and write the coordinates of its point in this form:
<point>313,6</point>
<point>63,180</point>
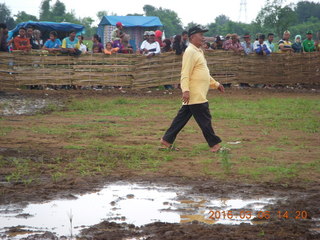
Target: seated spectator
<point>262,48</point>
<point>166,45</point>
<point>206,46</point>
<point>151,47</point>
<point>53,44</point>
<point>109,50</point>
<point>3,37</point>
<point>36,41</point>
<point>125,46</point>
<point>219,42</point>
<point>297,45</point>
<point>178,46</point>
<point>145,35</point>
<point>308,44</point>
<point>21,42</point>
<point>269,42</point>
<point>247,45</point>
<point>227,37</point>
<point>158,35</point>
<point>185,40</point>
<point>284,44</point>
<point>97,46</point>
<point>233,44</point>
<point>83,48</point>
<point>71,44</point>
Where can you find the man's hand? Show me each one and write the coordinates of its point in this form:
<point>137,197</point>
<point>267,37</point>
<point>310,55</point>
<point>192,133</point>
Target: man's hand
<point>186,97</point>
<point>221,88</point>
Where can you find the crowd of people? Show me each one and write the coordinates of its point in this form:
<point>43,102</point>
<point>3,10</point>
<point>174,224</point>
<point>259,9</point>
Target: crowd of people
<point>153,44</point>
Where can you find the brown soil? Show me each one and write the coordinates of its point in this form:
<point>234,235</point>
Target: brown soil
<point>297,195</point>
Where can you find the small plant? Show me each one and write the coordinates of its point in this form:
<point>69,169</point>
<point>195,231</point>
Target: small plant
<point>225,160</point>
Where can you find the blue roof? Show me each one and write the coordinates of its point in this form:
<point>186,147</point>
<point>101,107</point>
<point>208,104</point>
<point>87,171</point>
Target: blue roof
<point>48,26</point>
<point>132,21</point>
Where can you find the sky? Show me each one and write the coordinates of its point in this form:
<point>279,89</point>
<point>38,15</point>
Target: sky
<point>202,12</point>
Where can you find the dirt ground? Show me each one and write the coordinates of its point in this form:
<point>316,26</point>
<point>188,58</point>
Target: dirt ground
<point>296,194</point>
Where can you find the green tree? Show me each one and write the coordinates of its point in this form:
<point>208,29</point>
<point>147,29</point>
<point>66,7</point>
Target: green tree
<point>276,17</point>
<point>25,17</point>
<point>5,16</point>
<point>172,23</point>
<point>221,19</point>
<point>45,12</point>
<point>58,11</point>
<point>306,9</point>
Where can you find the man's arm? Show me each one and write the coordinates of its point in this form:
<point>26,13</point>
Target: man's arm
<point>216,85</point>
<point>188,63</point>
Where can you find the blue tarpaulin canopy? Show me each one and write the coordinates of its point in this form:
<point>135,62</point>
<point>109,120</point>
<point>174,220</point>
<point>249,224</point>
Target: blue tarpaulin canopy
<point>132,21</point>
<point>46,27</point>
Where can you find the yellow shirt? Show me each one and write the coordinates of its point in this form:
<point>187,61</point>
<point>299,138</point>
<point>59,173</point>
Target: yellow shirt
<point>195,75</point>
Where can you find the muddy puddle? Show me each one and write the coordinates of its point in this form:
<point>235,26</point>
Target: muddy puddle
<point>17,105</point>
<point>123,202</point>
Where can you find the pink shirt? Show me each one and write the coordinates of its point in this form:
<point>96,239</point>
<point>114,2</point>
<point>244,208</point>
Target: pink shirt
<point>230,45</point>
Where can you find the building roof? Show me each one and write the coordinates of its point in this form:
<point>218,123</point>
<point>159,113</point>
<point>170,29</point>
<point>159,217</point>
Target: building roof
<point>47,26</point>
<point>132,21</point>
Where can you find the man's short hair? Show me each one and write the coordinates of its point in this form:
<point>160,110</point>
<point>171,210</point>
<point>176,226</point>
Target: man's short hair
<point>54,33</point>
<point>72,31</point>
<point>3,25</point>
<point>22,28</point>
<point>262,36</point>
<point>184,32</point>
<point>270,34</point>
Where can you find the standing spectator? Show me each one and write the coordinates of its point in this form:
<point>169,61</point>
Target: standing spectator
<point>308,44</point>
<point>151,47</point>
<point>178,46</point>
<point>97,46</point>
<point>83,48</point>
<point>247,45</point>
<point>158,35</point>
<point>36,41</point>
<point>269,42</point>
<point>53,44</point>
<point>284,44</point>
<point>297,45</point>
<point>3,37</point>
<point>71,44</point>
<point>262,48</point>
<point>21,42</point>
<point>233,44</point>
<point>109,50</point>
<point>117,33</point>
<point>185,40</point>
<point>166,45</point>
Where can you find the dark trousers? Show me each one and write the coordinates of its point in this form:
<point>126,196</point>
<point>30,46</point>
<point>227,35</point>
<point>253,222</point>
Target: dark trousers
<point>202,116</point>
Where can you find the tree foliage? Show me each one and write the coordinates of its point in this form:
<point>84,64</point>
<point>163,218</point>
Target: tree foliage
<point>24,17</point>
<point>305,10</point>
<point>172,23</point>
<point>5,16</point>
<point>276,17</point>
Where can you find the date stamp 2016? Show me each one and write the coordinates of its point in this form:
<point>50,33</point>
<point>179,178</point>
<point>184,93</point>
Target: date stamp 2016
<point>262,215</point>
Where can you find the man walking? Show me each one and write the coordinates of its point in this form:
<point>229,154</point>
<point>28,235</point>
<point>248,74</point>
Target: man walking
<point>195,83</point>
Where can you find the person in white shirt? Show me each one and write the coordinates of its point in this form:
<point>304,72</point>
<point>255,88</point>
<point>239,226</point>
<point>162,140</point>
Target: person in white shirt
<point>150,47</point>
<point>83,48</point>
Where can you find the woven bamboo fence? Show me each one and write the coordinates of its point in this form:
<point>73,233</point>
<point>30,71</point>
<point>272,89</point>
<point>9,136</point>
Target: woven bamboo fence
<point>136,71</point>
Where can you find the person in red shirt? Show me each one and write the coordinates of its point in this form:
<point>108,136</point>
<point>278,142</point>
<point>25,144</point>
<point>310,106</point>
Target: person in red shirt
<point>21,42</point>
<point>158,35</point>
